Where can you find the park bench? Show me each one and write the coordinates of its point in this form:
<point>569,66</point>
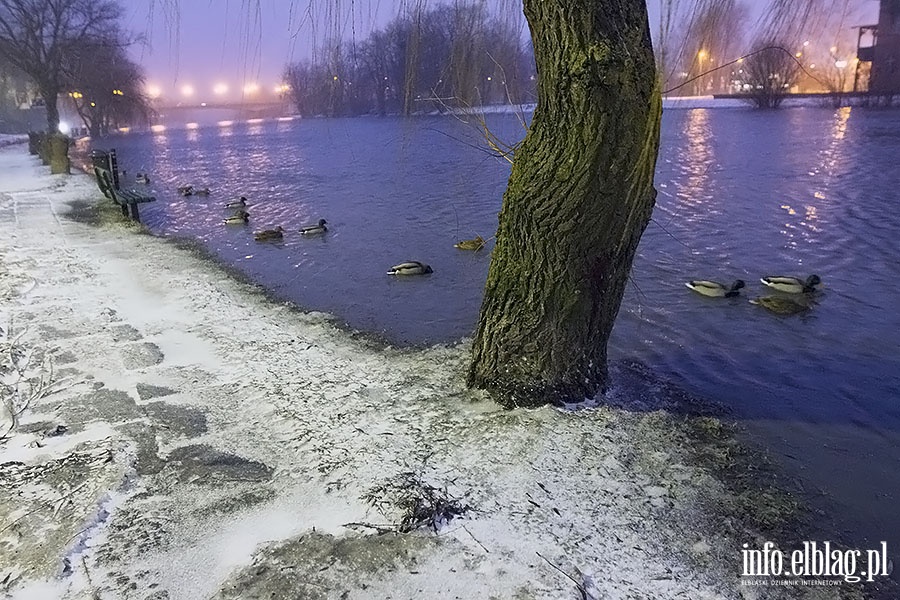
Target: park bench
<point>106,170</point>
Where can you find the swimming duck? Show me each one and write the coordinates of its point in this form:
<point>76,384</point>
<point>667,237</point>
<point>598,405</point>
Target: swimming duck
<point>239,218</point>
<point>715,289</point>
<point>315,229</point>
<point>202,192</point>
<point>475,244</point>
<point>792,285</point>
<point>782,305</point>
<point>186,190</point>
<point>142,178</point>
<point>239,203</point>
<point>412,267</point>
<point>269,234</point>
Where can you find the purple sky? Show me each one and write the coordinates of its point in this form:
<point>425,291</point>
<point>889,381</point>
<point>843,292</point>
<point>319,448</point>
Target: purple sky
<point>226,44</point>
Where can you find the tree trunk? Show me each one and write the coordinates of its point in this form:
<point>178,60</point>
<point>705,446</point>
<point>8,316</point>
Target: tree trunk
<point>579,197</point>
<point>50,94</point>
<point>59,154</point>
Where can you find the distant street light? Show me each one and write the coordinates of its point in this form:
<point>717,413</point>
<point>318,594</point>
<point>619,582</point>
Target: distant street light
<point>220,89</point>
<point>251,88</point>
<point>187,90</point>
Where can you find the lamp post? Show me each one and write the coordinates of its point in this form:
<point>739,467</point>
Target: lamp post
<point>698,90</point>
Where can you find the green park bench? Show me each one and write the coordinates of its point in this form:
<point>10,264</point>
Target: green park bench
<point>106,170</point>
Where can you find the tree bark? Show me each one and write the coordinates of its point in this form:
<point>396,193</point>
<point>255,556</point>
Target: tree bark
<point>50,93</point>
<point>59,154</point>
<point>579,197</point>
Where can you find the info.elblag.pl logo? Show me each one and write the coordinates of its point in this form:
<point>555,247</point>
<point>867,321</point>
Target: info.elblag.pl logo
<point>821,562</point>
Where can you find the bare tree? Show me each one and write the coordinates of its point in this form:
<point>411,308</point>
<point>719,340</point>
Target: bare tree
<point>110,96</point>
<point>450,55</point>
<point>769,74</point>
<point>37,36</point>
<point>713,34</point>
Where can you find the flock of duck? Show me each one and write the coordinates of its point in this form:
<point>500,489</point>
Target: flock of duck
<point>797,294</point>
<point>241,216</point>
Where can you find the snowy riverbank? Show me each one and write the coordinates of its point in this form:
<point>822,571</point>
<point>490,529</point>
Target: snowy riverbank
<point>178,435</point>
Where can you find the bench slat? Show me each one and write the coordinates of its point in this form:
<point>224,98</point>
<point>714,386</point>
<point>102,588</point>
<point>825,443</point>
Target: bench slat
<point>105,183</point>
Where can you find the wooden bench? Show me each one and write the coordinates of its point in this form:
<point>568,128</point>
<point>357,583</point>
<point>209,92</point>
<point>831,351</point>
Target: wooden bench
<point>106,170</point>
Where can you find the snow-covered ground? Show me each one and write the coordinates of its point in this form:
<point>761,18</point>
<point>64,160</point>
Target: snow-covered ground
<point>174,434</point>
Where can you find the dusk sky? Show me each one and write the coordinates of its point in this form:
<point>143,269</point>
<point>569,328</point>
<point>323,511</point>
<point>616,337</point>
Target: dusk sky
<point>224,46</point>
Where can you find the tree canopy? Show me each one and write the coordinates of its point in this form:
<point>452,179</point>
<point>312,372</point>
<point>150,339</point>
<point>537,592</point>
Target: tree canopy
<point>41,37</point>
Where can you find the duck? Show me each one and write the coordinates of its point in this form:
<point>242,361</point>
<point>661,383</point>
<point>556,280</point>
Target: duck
<point>473,244</point>
<point>783,305</point>
<point>239,203</point>
<point>239,218</point>
<point>792,285</point>
<point>202,192</point>
<point>186,190</point>
<point>142,178</point>
<point>411,267</point>
<point>269,234</point>
<point>315,229</point>
<point>714,289</point>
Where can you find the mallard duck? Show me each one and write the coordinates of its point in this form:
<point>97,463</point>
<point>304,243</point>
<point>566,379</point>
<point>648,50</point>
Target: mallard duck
<point>792,285</point>
<point>239,203</point>
<point>239,218</point>
<point>202,192</point>
<point>474,244</point>
<point>142,178</point>
<point>412,267</point>
<point>315,229</point>
<point>715,289</point>
<point>186,190</point>
<point>783,305</point>
<point>269,234</point>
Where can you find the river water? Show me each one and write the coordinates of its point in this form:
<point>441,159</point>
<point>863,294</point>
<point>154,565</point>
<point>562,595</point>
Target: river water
<point>742,194</point>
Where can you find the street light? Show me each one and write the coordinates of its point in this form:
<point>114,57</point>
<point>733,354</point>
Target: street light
<point>701,54</point>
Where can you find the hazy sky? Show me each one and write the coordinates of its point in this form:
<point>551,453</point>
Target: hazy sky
<point>205,44</point>
<point>199,45</point>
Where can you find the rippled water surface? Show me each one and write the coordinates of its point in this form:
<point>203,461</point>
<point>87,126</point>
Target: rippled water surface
<point>742,194</point>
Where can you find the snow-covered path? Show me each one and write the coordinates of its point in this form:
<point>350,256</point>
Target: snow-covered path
<point>192,439</point>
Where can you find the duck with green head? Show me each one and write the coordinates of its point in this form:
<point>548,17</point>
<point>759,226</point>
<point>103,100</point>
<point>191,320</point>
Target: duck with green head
<point>714,289</point>
<point>411,267</point>
<point>792,285</point>
<point>241,217</point>
<point>239,203</point>
<point>317,229</point>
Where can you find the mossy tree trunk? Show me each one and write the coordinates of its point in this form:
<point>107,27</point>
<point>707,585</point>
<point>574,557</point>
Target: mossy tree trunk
<point>579,197</point>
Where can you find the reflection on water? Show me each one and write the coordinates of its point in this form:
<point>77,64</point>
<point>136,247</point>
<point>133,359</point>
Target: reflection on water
<point>743,194</point>
<point>698,159</point>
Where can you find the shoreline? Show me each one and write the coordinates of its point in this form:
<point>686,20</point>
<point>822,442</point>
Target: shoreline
<point>212,437</point>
